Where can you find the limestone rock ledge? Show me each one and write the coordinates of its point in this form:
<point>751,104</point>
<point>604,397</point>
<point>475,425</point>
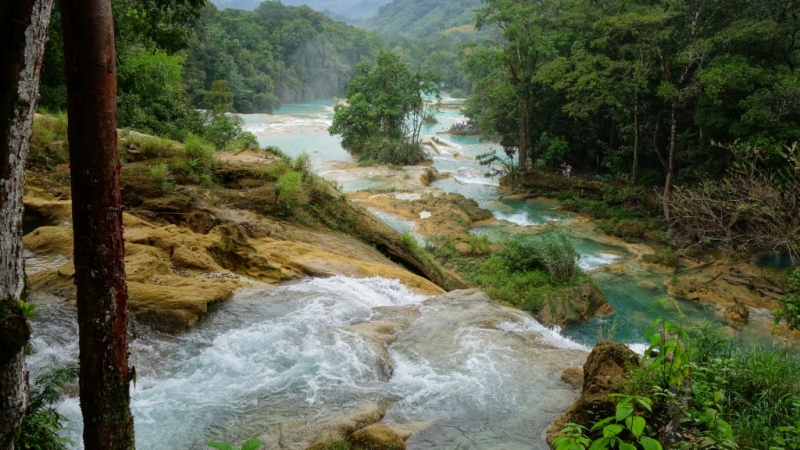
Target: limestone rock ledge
<point>174,274</point>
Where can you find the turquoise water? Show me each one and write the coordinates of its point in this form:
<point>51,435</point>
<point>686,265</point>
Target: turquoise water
<point>630,289</point>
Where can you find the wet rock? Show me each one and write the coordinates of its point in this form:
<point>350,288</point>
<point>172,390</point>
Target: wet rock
<point>573,376</point>
<point>605,368</point>
<point>737,314</point>
<point>376,437</point>
<point>574,304</point>
<point>648,284</point>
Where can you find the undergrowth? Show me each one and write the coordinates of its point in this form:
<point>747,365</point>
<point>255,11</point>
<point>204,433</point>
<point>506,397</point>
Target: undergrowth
<point>705,394</point>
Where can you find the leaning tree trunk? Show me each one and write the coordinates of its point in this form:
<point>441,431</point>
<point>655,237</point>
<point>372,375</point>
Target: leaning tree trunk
<point>23,31</point>
<point>97,224</point>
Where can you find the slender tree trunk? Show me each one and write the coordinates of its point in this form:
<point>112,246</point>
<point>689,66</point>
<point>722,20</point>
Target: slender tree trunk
<point>673,136</point>
<point>523,137</point>
<point>23,32</point>
<point>635,140</point>
<point>97,222</point>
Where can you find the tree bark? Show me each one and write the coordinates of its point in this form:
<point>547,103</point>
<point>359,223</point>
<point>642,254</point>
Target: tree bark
<point>23,31</point>
<point>97,223</point>
<point>523,137</point>
<point>673,136</point>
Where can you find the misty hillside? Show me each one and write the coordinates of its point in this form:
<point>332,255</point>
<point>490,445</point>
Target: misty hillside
<point>421,18</point>
<point>348,10</point>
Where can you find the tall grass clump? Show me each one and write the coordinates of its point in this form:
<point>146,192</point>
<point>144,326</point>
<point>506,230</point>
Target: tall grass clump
<point>199,157</point>
<point>291,191</point>
<point>49,146</point>
<point>550,250</point>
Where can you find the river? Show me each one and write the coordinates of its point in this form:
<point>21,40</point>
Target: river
<point>291,363</point>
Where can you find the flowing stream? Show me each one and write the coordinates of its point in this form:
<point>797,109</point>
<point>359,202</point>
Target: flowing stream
<point>291,364</point>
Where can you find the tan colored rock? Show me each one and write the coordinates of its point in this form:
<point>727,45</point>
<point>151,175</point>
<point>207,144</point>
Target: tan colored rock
<point>738,314</point>
<point>376,437</point>
<point>648,284</point>
<point>463,248</point>
<point>49,240</point>
<point>604,370</point>
<point>573,376</point>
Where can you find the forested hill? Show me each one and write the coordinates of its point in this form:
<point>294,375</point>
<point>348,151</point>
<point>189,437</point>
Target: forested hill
<point>274,54</point>
<point>421,18</point>
<point>348,10</point>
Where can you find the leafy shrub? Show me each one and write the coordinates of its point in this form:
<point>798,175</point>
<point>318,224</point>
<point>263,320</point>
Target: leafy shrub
<point>790,303</point>
<point>41,426</point>
<point>630,230</point>
<point>551,251</point>
<point>392,151</point>
<point>291,191</point>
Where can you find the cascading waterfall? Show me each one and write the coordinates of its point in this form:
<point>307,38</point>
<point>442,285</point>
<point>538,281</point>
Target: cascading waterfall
<point>284,363</point>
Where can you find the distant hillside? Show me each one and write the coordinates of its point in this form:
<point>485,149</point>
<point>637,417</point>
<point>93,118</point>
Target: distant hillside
<point>348,10</point>
<point>422,18</point>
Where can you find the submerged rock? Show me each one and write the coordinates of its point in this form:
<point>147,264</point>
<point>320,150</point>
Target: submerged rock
<point>376,437</point>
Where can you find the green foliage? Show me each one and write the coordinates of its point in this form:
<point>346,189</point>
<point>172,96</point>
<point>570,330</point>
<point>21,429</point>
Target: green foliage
<point>48,146</point>
<point>250,444</point>
<point>386,106</point>
<point>151,94</point>
<point>420,18</point>
<point>550,251</point>
<point>668,343</point>
<point>274,54</point>
<point>790,311</point>
<point>27,309</point>
<point>291,190</point>
<point>42,425</point>
<point>626,425</point>
<point>704,390</point>
<point>199,158</point>
<point>161,174</point>
<point>572,438</point>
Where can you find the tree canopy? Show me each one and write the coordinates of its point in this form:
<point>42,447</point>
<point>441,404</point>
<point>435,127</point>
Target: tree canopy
<point>386,106</point>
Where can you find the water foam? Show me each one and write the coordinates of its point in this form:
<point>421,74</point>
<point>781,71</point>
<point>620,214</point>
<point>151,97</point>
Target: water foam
<point>589,262</point>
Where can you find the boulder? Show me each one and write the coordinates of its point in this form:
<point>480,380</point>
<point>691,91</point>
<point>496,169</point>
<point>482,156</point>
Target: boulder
<point>573,376</point>
<point>604,370</point>
<point>573,304</point>
<point>376,437</point>
<point>737,314</point>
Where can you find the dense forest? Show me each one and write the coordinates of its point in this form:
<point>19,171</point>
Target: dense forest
<point>170,64</point>
<point>680,116</point>
<point>347,10</point>
<point>274,54</point>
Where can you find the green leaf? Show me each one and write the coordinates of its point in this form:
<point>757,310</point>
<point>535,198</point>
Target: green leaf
<point>602,443</point>
<point>612,430</point>
<point>626,446</point>
<point>649,443</point>
<point>638,426</point>
<point>624,410</point>
<point>251,444</point>
<point>602,423</point>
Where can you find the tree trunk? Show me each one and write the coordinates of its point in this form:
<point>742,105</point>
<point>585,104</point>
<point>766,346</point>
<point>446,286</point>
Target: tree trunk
<point>523,137</point>
<point>635,141</point>
<point>673,135</point>
<point>23,31</point>
<point>97,224</point>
